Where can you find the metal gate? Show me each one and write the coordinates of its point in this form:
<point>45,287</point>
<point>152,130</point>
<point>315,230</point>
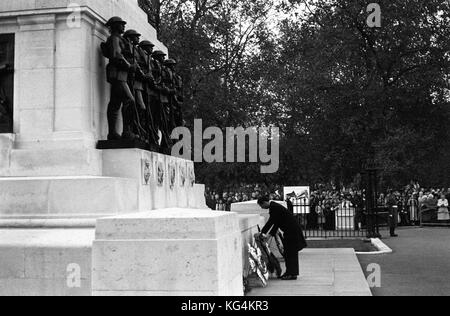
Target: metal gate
<point>338,221</point>
<point>344,219</point>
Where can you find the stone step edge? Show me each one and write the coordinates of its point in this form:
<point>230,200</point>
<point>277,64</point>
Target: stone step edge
<point>49,223</point>
<point>383,249</point>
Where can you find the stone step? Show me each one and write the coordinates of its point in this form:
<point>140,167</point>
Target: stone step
<point>50,223</point>
<point>50,261</point>
<point>174,251</point>
<point>323,272</point>
<point>43,198</point>
<point>50,162</point>
<point>46,262</point>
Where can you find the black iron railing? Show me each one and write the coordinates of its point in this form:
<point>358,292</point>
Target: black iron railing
<point>429,216</point>
<point>341,221</point>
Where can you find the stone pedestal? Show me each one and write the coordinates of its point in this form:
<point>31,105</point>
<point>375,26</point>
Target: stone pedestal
<point>179,252</point>
<point>61,93</point>
<point>170,180</point>
<point>249,227</point>
<point>67,197</point>
<point>132,180</point>
<point>252,208</point>
<point>55,184</point>
<point>45,262</point>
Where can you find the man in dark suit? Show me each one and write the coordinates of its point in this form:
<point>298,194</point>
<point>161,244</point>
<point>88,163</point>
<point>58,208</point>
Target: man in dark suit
<point>392,205</point>
<point>294,241</point>
<point>290,206</point>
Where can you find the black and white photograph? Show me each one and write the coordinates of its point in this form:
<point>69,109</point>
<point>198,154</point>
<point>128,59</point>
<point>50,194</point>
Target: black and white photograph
<point>225,155</point>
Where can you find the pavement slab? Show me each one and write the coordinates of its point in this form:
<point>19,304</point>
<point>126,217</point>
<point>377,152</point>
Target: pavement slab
<point>324,272</point>
<point>418,266</point>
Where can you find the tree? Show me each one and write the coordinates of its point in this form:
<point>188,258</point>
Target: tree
<point>353,88</point>
<point>340,90</point>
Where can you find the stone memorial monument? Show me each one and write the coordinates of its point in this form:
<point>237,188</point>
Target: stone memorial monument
<point>74,217</point>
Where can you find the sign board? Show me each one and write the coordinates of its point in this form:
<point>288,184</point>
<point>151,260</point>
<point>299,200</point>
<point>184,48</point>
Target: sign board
<point>301,199</point>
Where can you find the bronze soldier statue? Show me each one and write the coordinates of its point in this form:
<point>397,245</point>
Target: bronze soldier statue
<point>117,75</point>
<point>177,97</point>
<point>136,80</point>
<point>150,93</point>
<point>162,116</point>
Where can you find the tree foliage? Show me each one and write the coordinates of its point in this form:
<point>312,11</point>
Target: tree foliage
<point>341,92</point>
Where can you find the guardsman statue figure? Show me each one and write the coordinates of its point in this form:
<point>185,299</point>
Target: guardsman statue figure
<point>117,75</point>
<point>169,81</point>
<point>177,98</point>
<point>150,93</point>
<point>136,78</point>
<point>163,114</point>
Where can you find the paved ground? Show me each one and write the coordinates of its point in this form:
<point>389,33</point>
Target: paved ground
<point>324,272</point>
<point>419,266</point>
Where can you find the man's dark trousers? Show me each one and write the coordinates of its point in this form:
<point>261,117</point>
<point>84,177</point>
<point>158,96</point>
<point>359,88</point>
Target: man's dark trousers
<point>393,220</point>
<point>292,264</point>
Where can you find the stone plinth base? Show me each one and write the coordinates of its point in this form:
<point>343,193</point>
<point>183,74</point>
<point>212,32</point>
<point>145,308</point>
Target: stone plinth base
<point>67,197</point>
<point>47,161</point>
<point>169,252</point>
<point>126,144</point>
<point>164,181</point>
<point>41,261</point>
<point>45,262</point>
<point>249,227</point>
<point>252,208</point>
<point>132,180</point>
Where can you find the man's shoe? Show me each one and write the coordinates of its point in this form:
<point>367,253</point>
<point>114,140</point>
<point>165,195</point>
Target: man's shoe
<point>394,236</point>
<point>289,278</point>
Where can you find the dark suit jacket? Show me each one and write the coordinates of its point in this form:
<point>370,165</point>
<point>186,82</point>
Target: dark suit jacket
<point>290,206</point>
<point>280,218</point>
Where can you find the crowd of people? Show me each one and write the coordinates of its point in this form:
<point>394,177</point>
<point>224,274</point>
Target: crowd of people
<point>221,200</point>
<point>412,203</point>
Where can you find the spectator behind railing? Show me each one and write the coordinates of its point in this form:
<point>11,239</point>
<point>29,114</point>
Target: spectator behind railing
<point>443,213</point>
<point>428,209</point>
<point>415,204</point>
<point>413,209</point>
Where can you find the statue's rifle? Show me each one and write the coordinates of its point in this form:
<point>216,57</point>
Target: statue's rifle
<point>152,132</point>
<point>163,117</point>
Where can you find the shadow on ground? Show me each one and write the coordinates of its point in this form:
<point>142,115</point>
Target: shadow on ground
<point>359,245</point>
